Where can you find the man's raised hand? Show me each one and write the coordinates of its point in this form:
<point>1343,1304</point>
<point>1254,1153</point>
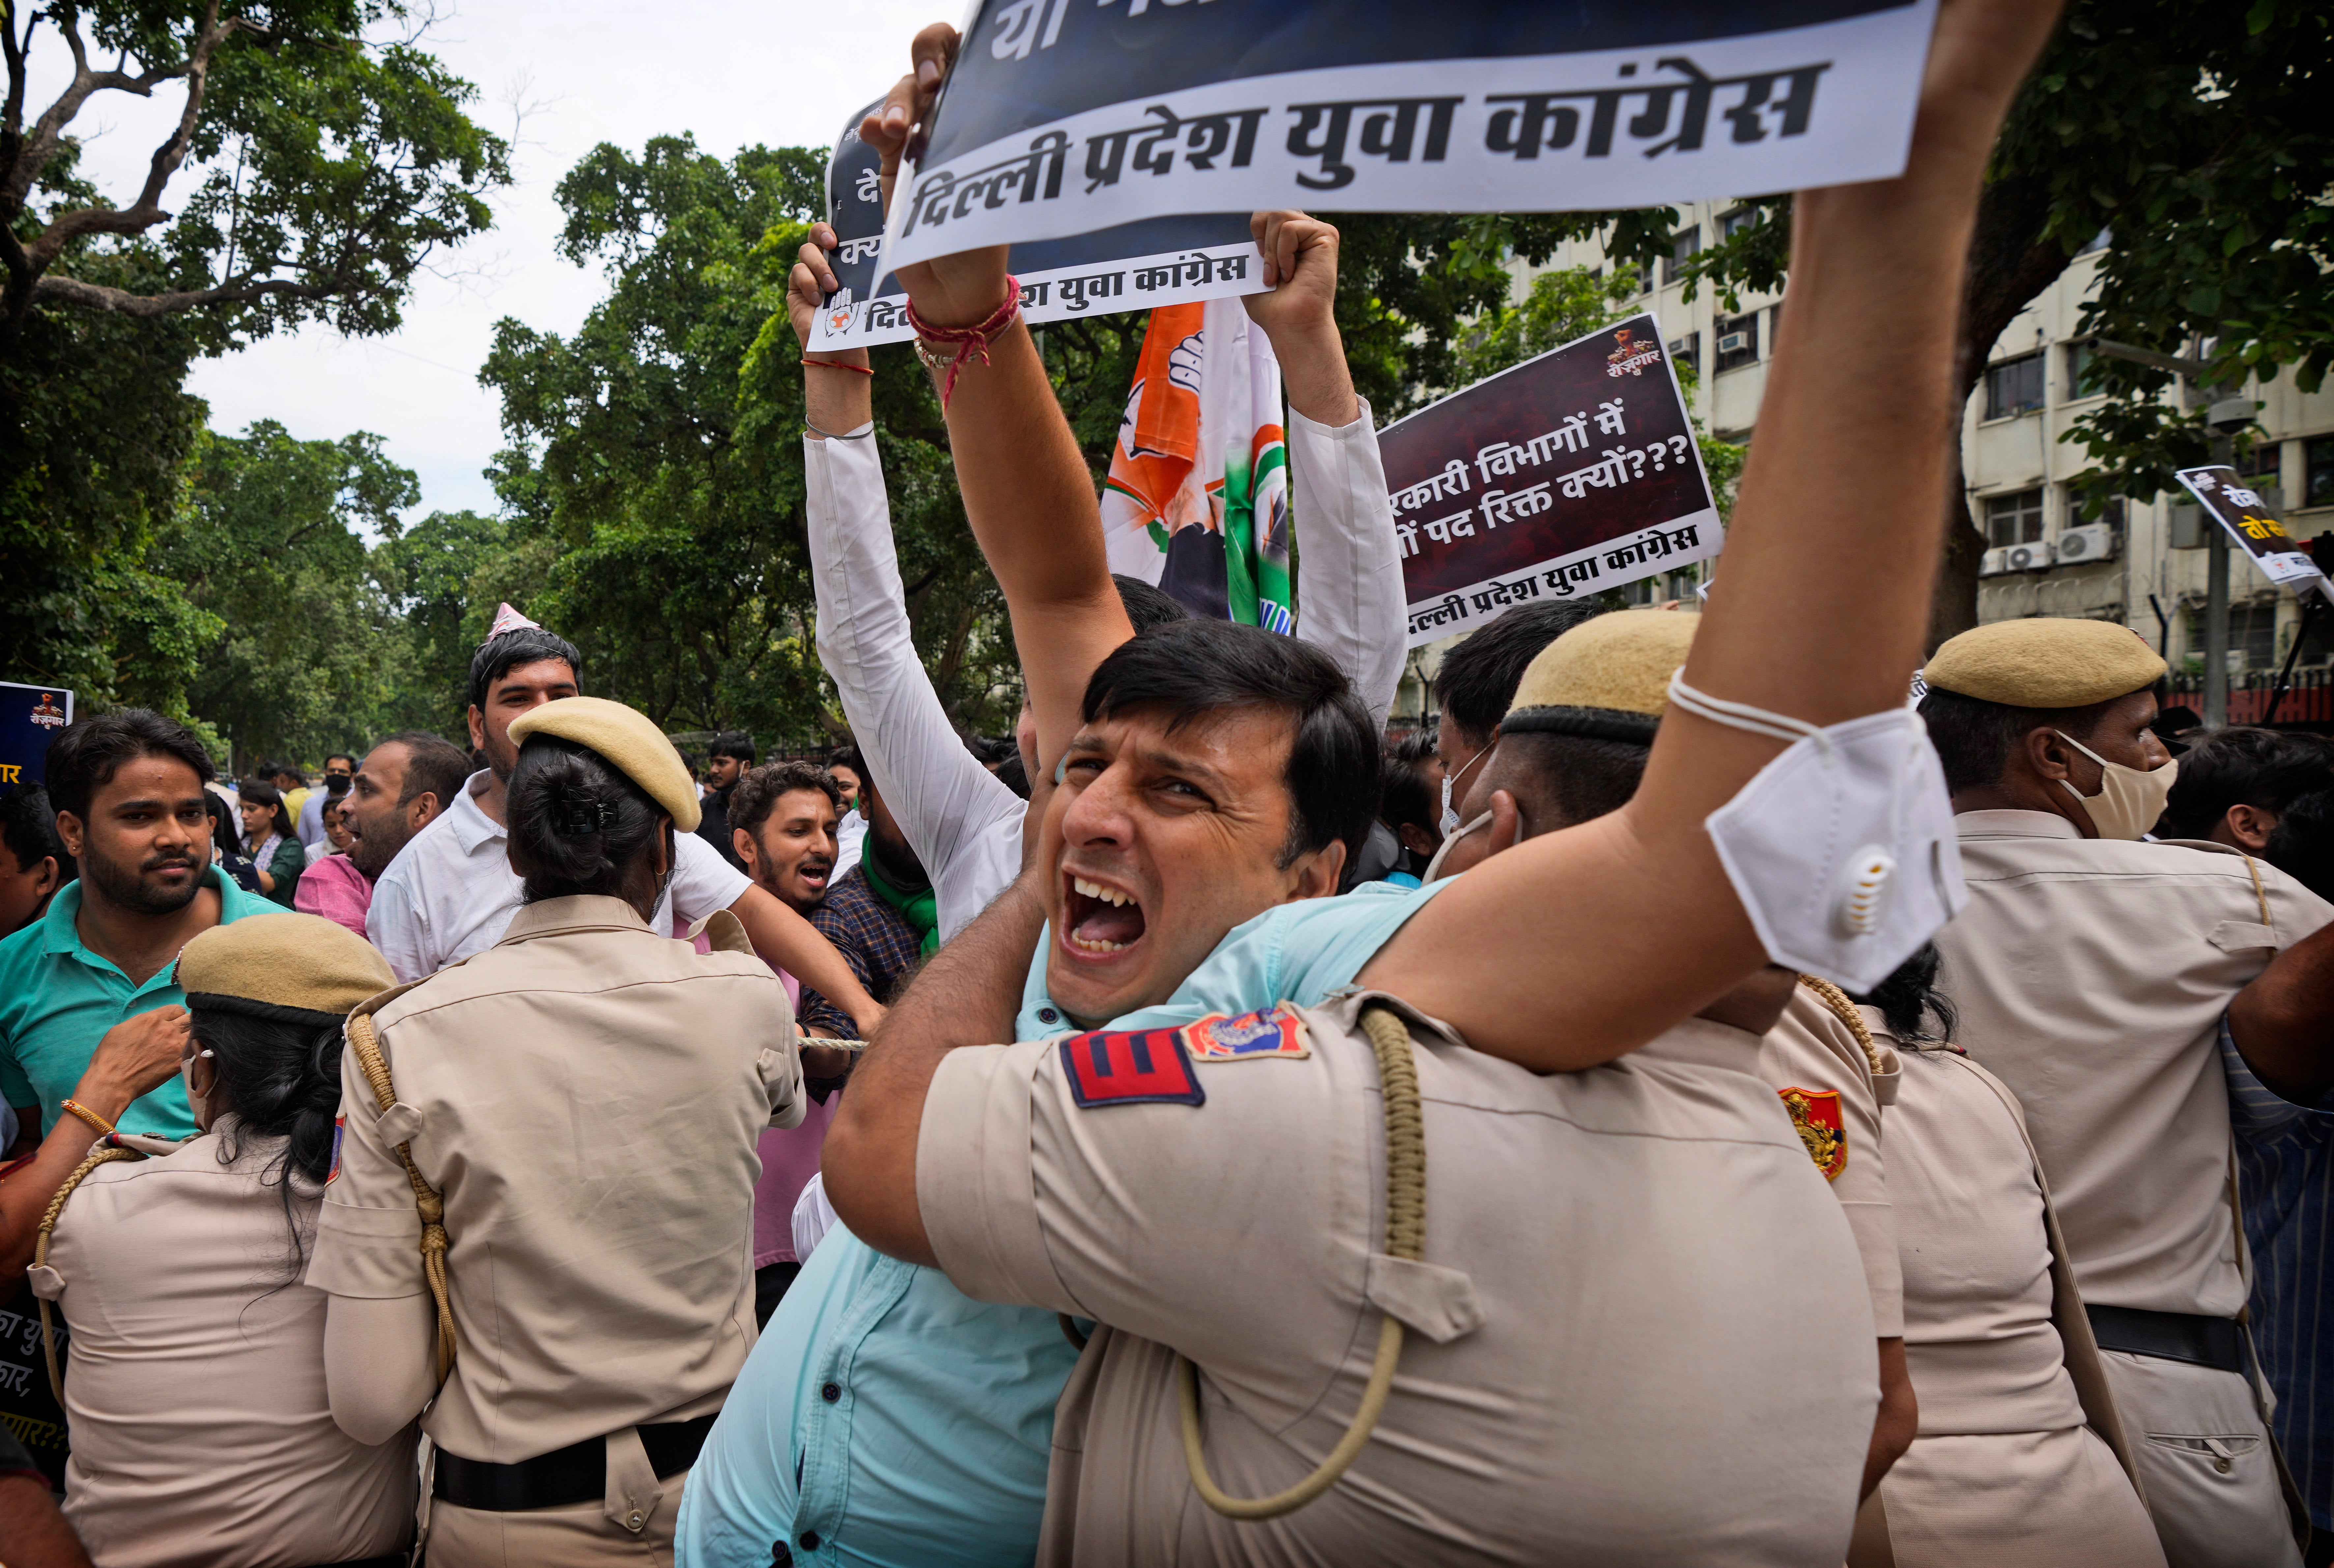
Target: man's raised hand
<point>1299,314</point>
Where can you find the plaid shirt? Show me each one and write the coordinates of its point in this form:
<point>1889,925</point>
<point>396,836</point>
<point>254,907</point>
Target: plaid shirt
<point>875,938</point>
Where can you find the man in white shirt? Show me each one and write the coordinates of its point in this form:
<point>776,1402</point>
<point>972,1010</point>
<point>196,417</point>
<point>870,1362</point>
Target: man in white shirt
<point>963,822</point>
<point>450,891</point>
<point>339,765</point>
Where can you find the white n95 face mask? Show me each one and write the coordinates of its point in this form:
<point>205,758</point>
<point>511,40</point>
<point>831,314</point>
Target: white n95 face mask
<point>2129,800</point>
<point>1842,849</point>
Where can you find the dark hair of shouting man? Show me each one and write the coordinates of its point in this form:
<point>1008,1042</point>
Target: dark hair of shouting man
<point>1165,837</point>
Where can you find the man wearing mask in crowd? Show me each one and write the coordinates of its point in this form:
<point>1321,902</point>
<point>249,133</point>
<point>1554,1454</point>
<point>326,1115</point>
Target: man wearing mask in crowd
<point>450,892</point>
<point>339,768</point>
<point>880,914</point>
<point>1475,684</point>
<point>730,756</point>
<point>2092,973</point>
<point>406,783</point>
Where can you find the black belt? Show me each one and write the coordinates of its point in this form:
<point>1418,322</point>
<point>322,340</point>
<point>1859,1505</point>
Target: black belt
<point>577,1473</point>
<point>2173,1336</point>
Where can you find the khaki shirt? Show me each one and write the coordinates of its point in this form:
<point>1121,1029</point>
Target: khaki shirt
<point>2090,975</point>
<point>586,1095</point>
<point>1826,1082</point>
<point>1640,1334</point>
<point>1979,1340</point>
<point>202,1432</point>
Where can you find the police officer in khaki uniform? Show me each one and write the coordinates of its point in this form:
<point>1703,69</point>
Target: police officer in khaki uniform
<point>583,1102</point>
<point>201,1430</point>
<point>1834,1085</point>
<point>2091,973</point>
<point>2020,1460</point>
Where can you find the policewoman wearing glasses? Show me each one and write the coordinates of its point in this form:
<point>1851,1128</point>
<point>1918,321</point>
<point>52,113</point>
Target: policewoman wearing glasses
<point>541,1223</point>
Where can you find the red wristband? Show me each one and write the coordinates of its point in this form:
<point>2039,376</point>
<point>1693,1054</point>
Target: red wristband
<point>836,365</point>
<point>971,343</point>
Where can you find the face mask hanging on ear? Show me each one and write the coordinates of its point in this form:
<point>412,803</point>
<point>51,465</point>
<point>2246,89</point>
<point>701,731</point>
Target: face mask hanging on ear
<point>1842,849</point>
<point>1434,866</point>
<point>1449,824</point>
<point>2129,800</point>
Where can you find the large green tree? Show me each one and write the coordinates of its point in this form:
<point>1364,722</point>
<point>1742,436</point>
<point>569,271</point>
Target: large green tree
<point>318,157</point>
<point>270,543</point>
<point>657,452</point>
<point>2199,137</point>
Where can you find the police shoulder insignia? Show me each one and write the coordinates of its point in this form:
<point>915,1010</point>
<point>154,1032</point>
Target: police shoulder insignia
<point>1130,1067</point>
<point>340,1127</point>
<point>1250,1037</point>
<point>1815,1113</point>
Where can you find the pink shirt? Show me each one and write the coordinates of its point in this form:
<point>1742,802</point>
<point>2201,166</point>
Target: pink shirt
<point>333,888</point>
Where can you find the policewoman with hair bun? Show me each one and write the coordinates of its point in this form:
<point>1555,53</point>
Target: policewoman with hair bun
<point>538,1236</point>
<point>194,1384</point>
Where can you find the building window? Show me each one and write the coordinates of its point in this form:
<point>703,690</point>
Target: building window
<point>2013,519</point>
<point>1735,222</point>
<point>1684,246</point>
<point>1686,351</point>
<point>2014,387</point>
<point>2252,633</point>
<point>1738,341</point>
<point>2264,465</point>
<point>2080,360</point>
<point>2318,483</point>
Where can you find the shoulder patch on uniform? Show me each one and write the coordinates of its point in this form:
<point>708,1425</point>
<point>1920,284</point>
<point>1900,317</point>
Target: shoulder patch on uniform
<point>1816,1115</point>
<point>340,1127</point>
<point>1130,1067</point>
<point>1250,1037</point>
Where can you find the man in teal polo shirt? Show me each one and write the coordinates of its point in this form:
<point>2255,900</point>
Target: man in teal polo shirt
<point>128,789</point>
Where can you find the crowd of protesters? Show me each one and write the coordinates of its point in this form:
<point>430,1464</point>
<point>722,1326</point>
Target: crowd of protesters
<point>533,1147</point>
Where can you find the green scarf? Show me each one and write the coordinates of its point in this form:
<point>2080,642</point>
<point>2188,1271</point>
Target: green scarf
<point>921,909</point>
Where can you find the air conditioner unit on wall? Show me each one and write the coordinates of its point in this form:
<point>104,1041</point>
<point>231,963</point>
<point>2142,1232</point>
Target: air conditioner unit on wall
<point>1993,563</point>
<point>1733,343</point>
<point>2035,557</point>
<point>2091,542</point>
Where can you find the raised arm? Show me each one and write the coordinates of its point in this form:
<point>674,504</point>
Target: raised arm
<point>2283,1023</point>
<point>937,790</point>
<point>1349,600</point>
<point>1026,489</point>
<point>1824,599</point>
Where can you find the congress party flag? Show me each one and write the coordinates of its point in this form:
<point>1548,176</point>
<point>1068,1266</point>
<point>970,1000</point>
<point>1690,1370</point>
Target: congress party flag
<point>1197,500</point>
<point>1557,478</point>
<point>1069,117</point>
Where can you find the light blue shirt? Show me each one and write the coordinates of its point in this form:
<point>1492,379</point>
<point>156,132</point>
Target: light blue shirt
<point>886,1419</point>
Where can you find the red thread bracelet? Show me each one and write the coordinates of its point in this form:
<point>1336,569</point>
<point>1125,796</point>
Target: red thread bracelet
<point>971,343</point>
<point>837,365</point>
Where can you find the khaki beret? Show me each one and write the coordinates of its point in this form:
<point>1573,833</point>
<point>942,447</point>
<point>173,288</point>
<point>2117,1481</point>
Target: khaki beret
<point>2045,662</point>
<point>1607,678</point>
<point>273,963</point>
<point>630,744</point>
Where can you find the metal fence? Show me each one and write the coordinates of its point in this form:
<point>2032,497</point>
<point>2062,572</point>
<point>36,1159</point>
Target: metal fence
<point>2308,704</point>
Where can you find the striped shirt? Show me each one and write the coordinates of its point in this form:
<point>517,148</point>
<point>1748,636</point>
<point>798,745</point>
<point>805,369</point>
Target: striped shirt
<point>2285,1170</point>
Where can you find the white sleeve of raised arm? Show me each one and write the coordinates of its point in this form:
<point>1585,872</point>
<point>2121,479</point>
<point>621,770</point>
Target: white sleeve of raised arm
<point>944,801</point>
<point>1349,594</point>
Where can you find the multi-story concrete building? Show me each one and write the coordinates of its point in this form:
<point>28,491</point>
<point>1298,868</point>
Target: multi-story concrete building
<point>2135,563</point>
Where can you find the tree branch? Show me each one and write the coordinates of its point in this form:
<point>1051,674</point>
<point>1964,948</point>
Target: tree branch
<point>147,210</point>
<point>122,301</point>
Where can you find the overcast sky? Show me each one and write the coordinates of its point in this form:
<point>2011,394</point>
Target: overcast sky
<point>780,72</point>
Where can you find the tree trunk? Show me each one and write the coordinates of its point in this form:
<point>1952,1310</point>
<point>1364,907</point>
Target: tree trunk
<point>2010,264</point>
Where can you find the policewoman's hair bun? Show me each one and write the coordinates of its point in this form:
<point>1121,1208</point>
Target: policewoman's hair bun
<point>578,823</point>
